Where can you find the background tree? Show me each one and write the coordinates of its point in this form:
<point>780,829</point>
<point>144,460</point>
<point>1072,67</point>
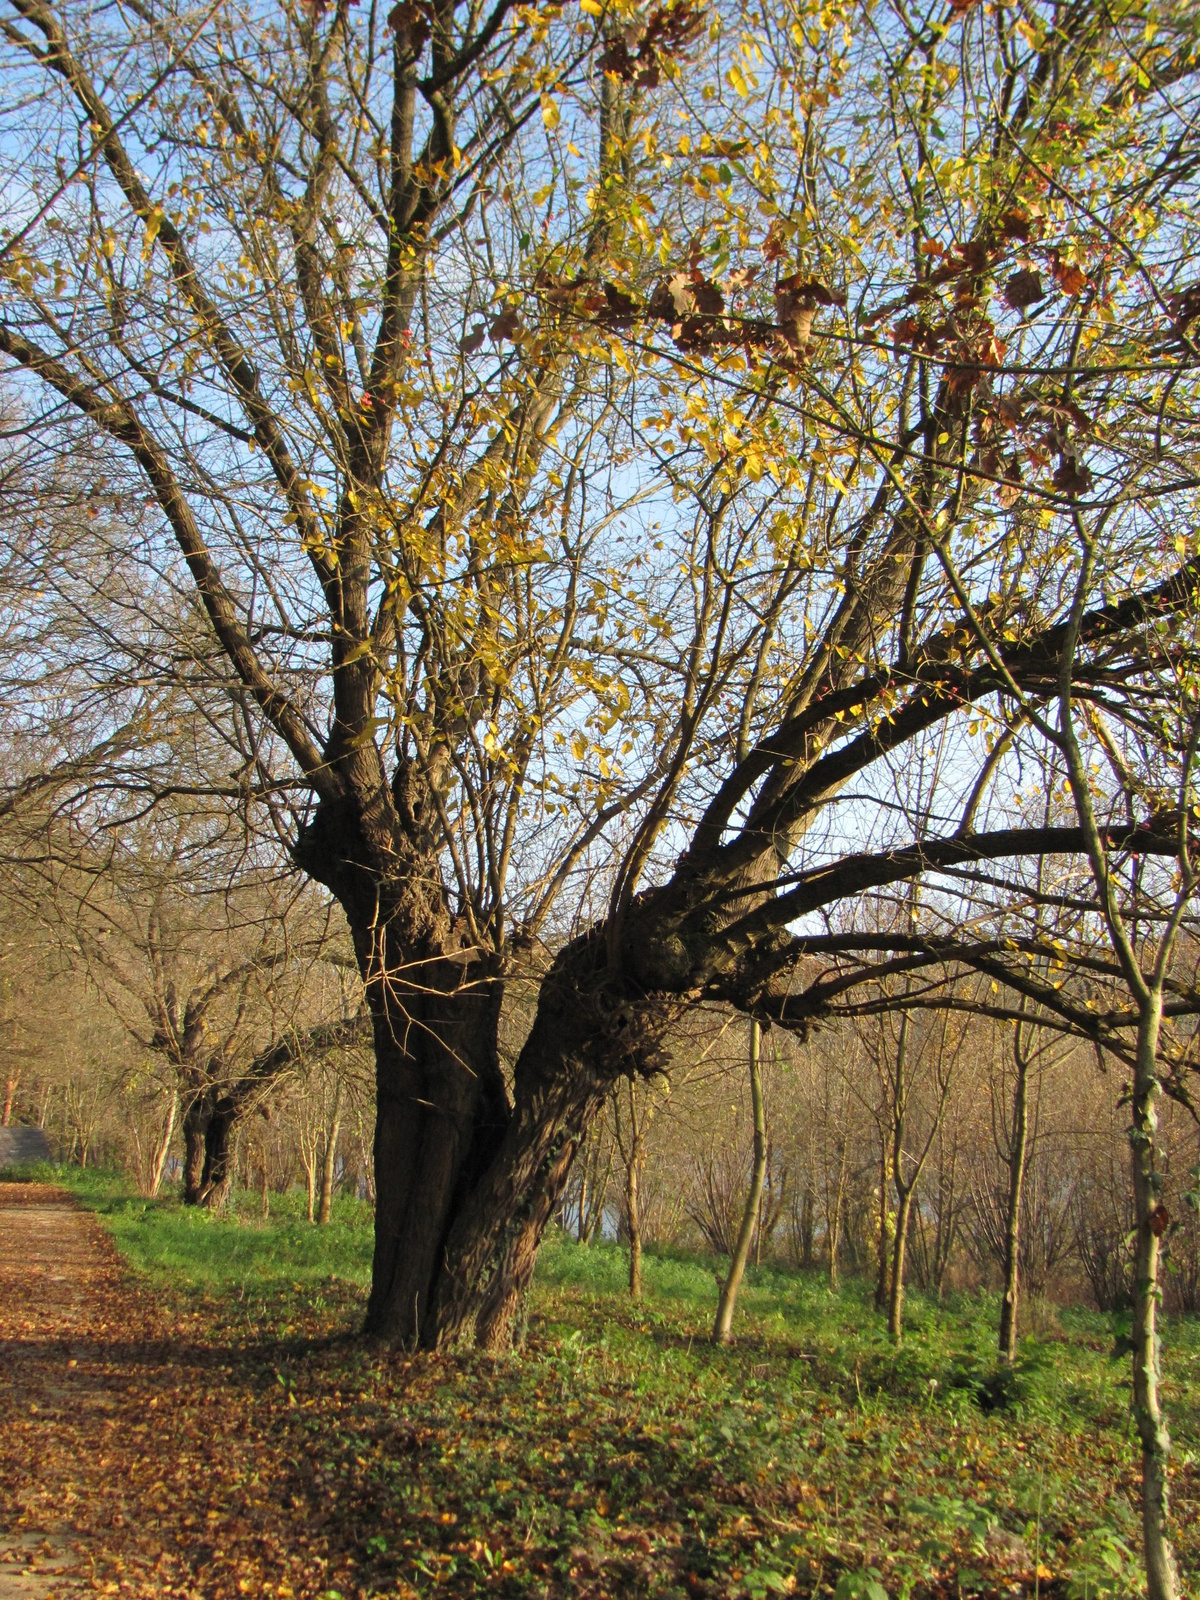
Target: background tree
<point>751,1209</point>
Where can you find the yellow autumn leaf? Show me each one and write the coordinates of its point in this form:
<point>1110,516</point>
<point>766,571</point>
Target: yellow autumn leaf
<point>551,115</point>
<point>153,224</point>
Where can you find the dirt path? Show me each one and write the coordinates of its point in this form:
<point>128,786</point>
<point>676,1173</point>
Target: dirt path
<point>54,1274</point>
<point>140,1453</point>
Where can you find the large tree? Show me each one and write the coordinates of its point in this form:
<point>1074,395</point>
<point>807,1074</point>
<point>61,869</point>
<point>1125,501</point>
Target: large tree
<point>604,446</point>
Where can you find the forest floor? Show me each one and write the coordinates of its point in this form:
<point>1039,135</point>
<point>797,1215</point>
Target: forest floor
<point>186,1412</point>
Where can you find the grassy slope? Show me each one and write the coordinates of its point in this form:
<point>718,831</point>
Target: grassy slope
<point>623,1455</point>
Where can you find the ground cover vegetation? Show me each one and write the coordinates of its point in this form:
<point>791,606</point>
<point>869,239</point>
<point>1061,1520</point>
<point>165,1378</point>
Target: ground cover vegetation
<point>660,516</point>
<point>622,1453</point>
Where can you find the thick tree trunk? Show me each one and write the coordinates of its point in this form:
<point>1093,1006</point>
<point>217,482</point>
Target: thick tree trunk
<point>492,1248</point>
<point>1161,1575</point>
<point>196,1115</point>
<point>217,1174</point>
<point>723,1325</point>
<point>465,1182</point>
<point>441,1111</point>
<point>583,1039</point>
<point>11,1085</point>
<point>1012,1219</point>
<point>434,1002</point>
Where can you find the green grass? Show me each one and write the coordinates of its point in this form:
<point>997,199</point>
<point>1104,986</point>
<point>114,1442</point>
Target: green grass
<point>621,1453</point>
<point>250,1272</point>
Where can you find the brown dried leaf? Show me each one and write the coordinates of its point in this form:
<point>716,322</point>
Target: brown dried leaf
<point>1184,304</point>
<point>740,278</point>
<point>506,325</point>
<point>1015,224</point>
<point>773,244</point>
<point>619,307</point>
<point>1024,289</point>
<point>710,302</point>
<point>1071,279</point>
<point>1070,478</point>
<point>409,20</point>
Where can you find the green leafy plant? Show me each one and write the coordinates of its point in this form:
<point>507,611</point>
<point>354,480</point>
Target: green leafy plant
<point>862,1585</point>
<point>1103,1568</point>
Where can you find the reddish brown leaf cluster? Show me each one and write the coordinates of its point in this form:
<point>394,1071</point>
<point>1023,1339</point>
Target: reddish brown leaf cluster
<point>796,301</point>
<point>1071,279</point>
<point>965,339</point>
<point>695,308</point>
<point>636,55</point>
<point>967,262</point>
<point>1184,307</point>
<point>1024,289</point>
<point>1040,432</point>
<point>412,22</point>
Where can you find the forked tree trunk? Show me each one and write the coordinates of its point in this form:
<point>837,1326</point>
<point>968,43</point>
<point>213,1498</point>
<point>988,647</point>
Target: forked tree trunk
<point>581,1041</point>
<point>11,1084</point>
<point>723,1325</point>
<point>466,1183</point>
<point>216,1178</point>
<point>441,1112</point>
<point>434,1003</point>
<point>196,1114</point>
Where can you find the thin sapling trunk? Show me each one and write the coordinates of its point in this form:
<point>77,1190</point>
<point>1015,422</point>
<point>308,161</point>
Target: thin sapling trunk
<point>723,1325</point>
<point>162,1153</point>
<point>1017,1149</point>
<point>329,1158</point>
